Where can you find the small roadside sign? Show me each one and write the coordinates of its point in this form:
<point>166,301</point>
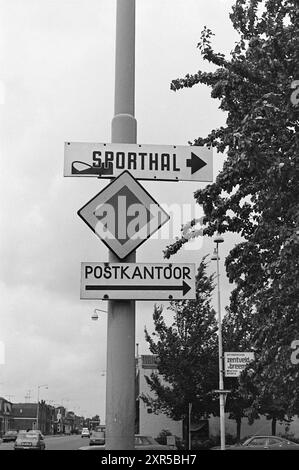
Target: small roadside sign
<point>235,362</point>
<point>123,215</point>
<point>137,281</point>
<point>144,162</point>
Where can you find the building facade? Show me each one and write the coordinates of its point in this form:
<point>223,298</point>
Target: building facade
<point>25,417</point>
<point>148,422</point>
<point>5,416</point>
<point>59,419</point>
<point>51,420</point>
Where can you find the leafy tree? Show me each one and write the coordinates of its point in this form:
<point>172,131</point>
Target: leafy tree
<point>237,327</point>
<point>256,194</point>
<point>187,356</point>
<point>247,397</point>
<point>272,395</point>
<point>96,418</point>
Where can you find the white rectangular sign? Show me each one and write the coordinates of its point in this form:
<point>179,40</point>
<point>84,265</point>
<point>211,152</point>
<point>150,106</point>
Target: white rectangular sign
<point>235,362</point>
<point>137,281</point>
<point>145,162</point>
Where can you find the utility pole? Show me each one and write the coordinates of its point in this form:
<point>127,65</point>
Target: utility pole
<point>221,385</point>
<point>28,396</point>
<point>120,385</point>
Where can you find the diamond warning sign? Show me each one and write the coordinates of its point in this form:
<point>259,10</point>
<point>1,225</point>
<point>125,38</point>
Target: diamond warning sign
<point>123,215</point>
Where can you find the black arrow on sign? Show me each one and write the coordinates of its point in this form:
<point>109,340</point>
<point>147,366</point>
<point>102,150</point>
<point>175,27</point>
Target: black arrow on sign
<point>195,163</point>
<point>184,287</point>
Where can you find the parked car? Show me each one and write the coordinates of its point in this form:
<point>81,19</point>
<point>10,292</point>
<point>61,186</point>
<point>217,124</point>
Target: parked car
<point>263,443</point>
<point>97,438</point>
<point>9,436</point>
<point>33,440</point>
<point>85,432</point>
<point>141,443</point>
<point>149,443</point>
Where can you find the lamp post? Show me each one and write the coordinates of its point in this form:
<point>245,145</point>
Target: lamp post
<point>95,315</point>
<point>218,239</point>
<point>37,411</point>
<point>189,425</point>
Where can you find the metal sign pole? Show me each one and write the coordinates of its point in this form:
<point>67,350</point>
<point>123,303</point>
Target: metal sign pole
<point>220,347</point>
<point>120,385</point>
<point>189,425</point>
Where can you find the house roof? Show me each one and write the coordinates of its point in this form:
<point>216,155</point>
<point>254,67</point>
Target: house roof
<point>4,399</point>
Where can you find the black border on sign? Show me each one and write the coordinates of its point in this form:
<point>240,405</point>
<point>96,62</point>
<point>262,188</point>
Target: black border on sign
<point>104,189</point>
<point>141,300</point>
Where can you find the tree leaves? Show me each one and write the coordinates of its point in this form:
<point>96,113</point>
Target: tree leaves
<point>257,193</point>
<point>187,354</point>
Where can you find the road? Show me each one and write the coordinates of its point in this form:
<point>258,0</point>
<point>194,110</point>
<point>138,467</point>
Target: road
<point>56,443</point>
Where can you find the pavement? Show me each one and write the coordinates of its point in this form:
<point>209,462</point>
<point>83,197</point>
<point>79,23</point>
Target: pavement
<point>56,442</point>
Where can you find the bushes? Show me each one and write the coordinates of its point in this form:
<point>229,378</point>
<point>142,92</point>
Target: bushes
<point>290,437</point>
<point>213,441</point>
<point>162,437</point>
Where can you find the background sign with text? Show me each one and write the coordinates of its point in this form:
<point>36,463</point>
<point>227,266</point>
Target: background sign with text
<point>235,362</point>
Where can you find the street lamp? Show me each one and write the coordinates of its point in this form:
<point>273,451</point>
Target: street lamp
<point>37,412</point>
<point>95,315</point>
<point>222,393</point>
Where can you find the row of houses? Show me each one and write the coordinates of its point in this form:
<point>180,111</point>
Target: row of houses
<point>47,418</point>
<point>55,420</point>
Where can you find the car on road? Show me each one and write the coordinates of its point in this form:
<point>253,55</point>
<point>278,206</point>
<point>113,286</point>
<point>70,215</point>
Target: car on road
<point>33,440</point>
<point>141,443</point>
<point>85,432</point>
<point>97,438</point>
<point>263,443</point>
<point>9,436</point>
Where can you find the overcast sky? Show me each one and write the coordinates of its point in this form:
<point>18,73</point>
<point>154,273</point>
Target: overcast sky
<point>57,85</point>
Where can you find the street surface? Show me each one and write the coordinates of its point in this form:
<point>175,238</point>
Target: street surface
<point>56,443</point>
